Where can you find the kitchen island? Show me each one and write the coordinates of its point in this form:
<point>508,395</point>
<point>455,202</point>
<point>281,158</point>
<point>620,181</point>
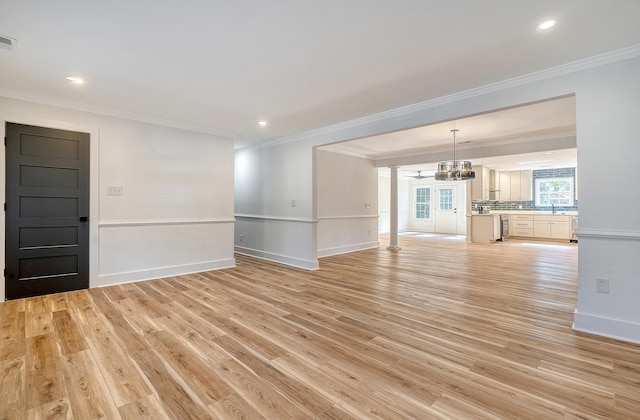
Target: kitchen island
<point>485,228</point>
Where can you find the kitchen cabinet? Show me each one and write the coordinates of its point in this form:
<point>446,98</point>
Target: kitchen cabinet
<point>561,229</point>
<point>521,185</point>
<point>543,226</point>
<point>480,184</point>
<point>551,226</point>
<point>504,185</point>
<point>485,228</point>
<point>521,225</point>
<point>516,185</point>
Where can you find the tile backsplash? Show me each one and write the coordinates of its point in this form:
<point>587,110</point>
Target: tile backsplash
<point>531,205</point>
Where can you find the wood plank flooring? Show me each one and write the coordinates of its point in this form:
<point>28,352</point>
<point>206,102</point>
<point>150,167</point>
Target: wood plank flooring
<point>440,329</point>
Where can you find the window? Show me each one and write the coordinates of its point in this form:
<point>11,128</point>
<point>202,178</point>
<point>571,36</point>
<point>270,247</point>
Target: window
<point>554,191</point>
<point>446,199</point>
<point>423,203</point>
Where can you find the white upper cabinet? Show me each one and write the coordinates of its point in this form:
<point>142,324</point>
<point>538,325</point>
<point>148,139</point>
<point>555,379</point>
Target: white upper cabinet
<point>505,186</point>
<point>523,190</point>
<point>480,184</point>
<point>516,186</point>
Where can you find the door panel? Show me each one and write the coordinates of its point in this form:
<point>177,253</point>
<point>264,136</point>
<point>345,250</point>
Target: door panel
<point>48,207</point>
<point>446,210</point>
<point>47,211</point>
<point>32,144</point>
<point>39,176</point>
<point>48,236</point>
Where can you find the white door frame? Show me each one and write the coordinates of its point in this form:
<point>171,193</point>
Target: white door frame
<point>93,183</point>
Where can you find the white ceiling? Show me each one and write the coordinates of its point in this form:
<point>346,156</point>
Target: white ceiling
<point>565,158</point>
<point>539,121</point>
<point>220,66</point>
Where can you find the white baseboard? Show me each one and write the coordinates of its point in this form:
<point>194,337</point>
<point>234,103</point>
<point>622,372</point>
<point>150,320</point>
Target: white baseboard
<point>607,327</point>
<point>282,259</point>
<point>160,272</point>
<point>326,252</point>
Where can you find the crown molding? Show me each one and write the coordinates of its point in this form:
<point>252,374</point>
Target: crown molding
<point>111,112</point>
<point>572,67</point>
<point>550,73</point>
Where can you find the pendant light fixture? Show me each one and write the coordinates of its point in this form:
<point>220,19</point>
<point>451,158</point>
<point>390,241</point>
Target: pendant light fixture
<point>455,170</point>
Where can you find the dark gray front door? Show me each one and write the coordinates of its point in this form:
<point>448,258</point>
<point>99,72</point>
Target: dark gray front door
<point>47,211</point>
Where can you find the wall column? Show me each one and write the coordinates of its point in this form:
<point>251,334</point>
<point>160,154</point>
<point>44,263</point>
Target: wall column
<point>393,211</point>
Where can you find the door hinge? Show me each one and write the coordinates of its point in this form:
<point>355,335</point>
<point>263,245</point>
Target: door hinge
<point>5,140</point>
<point>5,206</point>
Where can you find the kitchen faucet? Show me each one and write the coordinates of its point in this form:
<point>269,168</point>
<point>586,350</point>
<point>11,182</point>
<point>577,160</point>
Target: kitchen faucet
<point>553,209</point>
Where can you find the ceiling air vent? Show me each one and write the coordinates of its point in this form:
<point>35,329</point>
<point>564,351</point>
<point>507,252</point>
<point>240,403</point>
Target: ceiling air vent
<point>7,43</point>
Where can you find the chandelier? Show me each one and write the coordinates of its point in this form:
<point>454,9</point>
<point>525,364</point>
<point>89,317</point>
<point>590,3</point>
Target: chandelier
<point>455,170</point>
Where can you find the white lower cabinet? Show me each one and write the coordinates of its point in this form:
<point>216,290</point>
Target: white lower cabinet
<point>560,229</point>
<point>485,228</point>
<point>521,225</point>
<point>544,226</point>
<point>541,229</point>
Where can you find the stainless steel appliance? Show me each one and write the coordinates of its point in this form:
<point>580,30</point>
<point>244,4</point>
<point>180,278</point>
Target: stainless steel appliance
<point>504,227</point>
<point>574,227</point>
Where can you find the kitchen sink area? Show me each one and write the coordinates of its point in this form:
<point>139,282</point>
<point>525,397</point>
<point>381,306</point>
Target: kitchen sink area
<point>534,204</point>
<point>524,224</point>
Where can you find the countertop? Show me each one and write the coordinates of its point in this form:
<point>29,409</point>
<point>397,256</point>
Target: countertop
<point>558,213</point>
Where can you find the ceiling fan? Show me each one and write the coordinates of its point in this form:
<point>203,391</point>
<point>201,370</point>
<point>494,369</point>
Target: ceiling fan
<point>419,176</point>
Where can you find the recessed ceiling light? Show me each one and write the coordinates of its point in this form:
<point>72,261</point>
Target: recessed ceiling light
<point>262,123</point>
<point>76,80</point>
<point>547,24</point>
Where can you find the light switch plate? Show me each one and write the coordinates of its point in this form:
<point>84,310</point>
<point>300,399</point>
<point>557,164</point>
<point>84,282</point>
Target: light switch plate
<point>602,285</point>
<point>114,191</point>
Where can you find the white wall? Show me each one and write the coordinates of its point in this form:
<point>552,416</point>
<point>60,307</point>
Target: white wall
<point>176,213</point>
<point>404,204</point>
<point>268,224</point>
<point>406,187</point>
<point>384,202</point>
<point>346,203</point>
<point>607,109</point>
<point>608,104</point>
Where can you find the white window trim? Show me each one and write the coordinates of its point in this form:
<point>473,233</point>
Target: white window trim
<point>558,178</point>
<point>415,203</point>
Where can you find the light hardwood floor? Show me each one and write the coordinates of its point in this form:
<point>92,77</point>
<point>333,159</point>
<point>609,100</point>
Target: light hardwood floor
<point>440,329</point>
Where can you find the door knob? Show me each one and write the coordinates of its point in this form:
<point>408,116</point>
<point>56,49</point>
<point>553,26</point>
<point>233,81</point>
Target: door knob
<point>84,219</point>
